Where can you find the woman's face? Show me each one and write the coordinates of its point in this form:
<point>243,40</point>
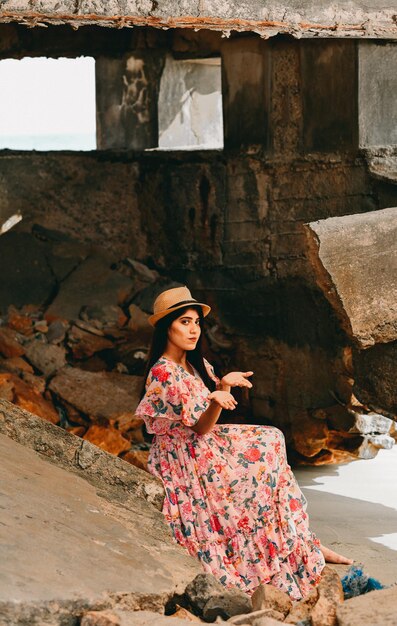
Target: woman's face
<point>185,330</point>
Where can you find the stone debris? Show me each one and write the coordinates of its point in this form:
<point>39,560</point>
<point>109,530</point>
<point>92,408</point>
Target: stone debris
<point>269,597</point>
<point>372,423</point>
<point>10,343</point>
<point>85,482</point>
<point>330,596</point>
<point>117,617</point>
<point>226,604</point>
<point>207,598</point>
<point>99,394</point>
<point>76,355</point>
<point>376,608</point>
<point>92,283</point>
<point>272,606</point>
<point>46,358</point>
<point>257,617</point>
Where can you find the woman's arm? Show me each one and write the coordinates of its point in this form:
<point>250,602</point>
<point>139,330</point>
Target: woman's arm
<point>219,400</point>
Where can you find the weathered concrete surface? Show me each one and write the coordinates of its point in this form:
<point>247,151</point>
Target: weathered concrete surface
<point>241,243</point>
<point>246,91</point>
<point>377,93</point>
<point>101,550</point>
<point>113,477</point>
<point>127,92</point>
<point>355,261</point>
<point>92,282</point>
<point>375,377</point>
<point>329,73</point>
<point>100,394</point>
<point>321,19</point>
<point>239,216</point>
<point>13,287</point>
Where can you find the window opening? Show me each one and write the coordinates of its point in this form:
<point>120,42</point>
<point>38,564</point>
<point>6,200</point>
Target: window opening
<point>190,104</point>
<point>47,104</point>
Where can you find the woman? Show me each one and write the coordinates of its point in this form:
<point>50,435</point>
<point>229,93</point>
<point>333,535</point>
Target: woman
<point>231,498</point>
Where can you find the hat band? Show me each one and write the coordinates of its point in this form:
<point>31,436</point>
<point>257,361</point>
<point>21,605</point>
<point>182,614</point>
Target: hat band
<point>181,302</point>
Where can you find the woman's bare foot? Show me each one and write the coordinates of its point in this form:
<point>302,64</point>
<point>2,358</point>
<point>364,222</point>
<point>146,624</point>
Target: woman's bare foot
<point>333,557</point>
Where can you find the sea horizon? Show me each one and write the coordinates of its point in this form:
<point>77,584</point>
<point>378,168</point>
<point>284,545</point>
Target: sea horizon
<point>86,141</point>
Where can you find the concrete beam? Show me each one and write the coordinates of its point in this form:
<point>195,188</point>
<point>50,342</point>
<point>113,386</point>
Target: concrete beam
<point>354,258</point>
<point>329,95</point>
<point>127,92</point>
<point>300,19</point>
<point>246,92</point>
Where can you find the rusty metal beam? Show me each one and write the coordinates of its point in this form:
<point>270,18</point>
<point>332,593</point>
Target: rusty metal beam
<point>384,26</point>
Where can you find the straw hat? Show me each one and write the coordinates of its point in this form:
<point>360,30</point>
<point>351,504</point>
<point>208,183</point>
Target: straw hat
<point>172,299</point>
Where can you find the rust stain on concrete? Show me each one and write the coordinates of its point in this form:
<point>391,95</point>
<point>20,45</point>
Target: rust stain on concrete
<point>266,28</point>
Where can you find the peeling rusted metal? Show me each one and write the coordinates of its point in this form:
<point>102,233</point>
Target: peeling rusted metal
<point>385,27</point>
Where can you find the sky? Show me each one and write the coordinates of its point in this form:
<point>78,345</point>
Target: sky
<point>47,96</point>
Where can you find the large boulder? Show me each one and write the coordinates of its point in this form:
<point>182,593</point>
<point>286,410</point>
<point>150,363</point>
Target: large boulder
<point>354,258</point>
<point>99,541</point>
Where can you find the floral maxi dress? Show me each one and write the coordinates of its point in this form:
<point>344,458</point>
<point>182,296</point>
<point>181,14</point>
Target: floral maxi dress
<point>231,498</point>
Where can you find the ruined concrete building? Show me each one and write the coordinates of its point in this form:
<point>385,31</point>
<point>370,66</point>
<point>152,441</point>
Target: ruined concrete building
<point>308,117</point>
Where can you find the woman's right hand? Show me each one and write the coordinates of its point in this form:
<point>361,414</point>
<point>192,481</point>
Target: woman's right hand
<point>224,399</point>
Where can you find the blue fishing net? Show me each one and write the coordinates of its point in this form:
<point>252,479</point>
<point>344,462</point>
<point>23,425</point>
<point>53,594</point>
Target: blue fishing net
<point>355,582</point>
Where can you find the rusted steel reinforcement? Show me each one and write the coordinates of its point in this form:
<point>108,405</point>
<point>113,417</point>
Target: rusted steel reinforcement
<point>384,27</point>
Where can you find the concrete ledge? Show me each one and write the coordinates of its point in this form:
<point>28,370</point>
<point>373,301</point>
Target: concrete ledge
<point>333,19</point>
<point>78,533</point>
<point>119,480</point>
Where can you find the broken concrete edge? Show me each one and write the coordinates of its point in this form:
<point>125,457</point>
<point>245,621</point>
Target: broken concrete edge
<point>324,282</point>
<point>105,471</point>
<point>383,169</point>
<point>347,254</point>
<point>371,25</point>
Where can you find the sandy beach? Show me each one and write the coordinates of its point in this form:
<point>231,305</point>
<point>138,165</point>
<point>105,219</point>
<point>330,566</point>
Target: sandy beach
<point>353,510</point>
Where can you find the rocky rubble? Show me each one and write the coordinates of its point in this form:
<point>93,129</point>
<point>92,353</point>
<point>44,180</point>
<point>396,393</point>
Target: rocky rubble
<point>74,339</point>
<point>77,490</point>
<point>268,606</point>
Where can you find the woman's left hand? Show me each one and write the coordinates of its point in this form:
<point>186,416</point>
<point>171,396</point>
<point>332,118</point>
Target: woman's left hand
<point>237,379</point>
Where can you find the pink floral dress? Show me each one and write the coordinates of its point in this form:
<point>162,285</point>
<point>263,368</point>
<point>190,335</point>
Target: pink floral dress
<point>231,498</point>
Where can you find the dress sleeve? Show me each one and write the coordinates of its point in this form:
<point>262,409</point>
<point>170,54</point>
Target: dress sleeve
<point>168,401</point>
<point>211,372</point>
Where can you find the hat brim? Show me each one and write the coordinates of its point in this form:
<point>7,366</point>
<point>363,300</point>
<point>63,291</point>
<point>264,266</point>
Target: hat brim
<point>154,318</point>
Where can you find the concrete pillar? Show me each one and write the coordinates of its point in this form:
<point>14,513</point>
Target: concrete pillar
<point>377,89</point>
<point>127,95</point>
<point>246,92</point>
<point>329,95</point>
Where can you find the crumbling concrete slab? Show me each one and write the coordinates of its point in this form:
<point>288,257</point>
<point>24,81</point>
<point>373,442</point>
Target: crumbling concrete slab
<point>375,377</point>
<point>298,18</point>
<point>93,283</point>
<point>354,258</point>
<point>76,534</point>
<point>99,394</point>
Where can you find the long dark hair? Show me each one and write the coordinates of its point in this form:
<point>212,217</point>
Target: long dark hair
<point>159,343</point>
